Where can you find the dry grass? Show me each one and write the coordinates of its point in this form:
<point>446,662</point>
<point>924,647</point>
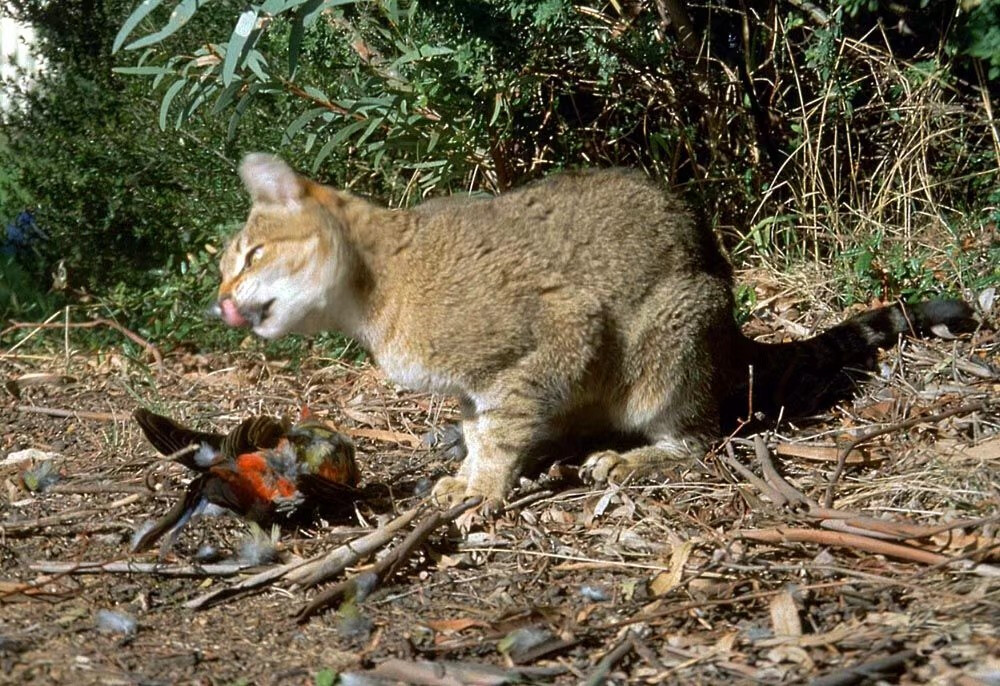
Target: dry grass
<point>885,147</point>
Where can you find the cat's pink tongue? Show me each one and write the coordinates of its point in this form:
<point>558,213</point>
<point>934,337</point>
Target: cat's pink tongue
<point>230,314</point>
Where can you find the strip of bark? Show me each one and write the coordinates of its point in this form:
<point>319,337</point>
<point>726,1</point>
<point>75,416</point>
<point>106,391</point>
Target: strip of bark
<point>844,540</point>
<point>391,563</point>
<point>775,496</point>
<point>773,477</point>
<point>449,673</point>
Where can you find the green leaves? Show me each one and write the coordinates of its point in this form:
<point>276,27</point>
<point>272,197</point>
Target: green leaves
<point>380,85</point>
<point>138,14</point>
<point>179,17</point>
<point>168,98</point>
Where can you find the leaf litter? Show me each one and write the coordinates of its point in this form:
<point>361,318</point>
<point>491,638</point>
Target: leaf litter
<point>740,570</point>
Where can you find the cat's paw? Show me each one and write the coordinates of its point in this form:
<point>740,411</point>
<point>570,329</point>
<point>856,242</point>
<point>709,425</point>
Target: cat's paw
<point>606,466</point>
<point>449,491</point>
<point>643,463</point>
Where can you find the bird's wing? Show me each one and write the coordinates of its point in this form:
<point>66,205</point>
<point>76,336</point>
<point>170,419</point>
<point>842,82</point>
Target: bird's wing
<point>176,517</point>
<point>252,434</point>
<point>330,497</point>
<point>169,437</point>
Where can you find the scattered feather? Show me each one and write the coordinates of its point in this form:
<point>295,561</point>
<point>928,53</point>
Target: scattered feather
<point>206,456</point>
<point>523,639</point>
<point>111,622</point>
<point>593,593</point>
<point>364,583</point>
<point>353,624</point>
<point>140,532</point>
<point>41,476</point>
<point>259,547</point>
<point>942,331</point>
<point>207,553</point>
<point>986,298</point>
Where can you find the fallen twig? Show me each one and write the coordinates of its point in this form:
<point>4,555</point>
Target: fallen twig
<point>258,580</point>
<point>320,567</point>
<point>899,426</point>
<point>866,671</point>
<point>128,567</point>
<point>844,540</point>
<point>599,674</point>
<point>890,527</point>
<point>331,564</point>
<point>76,414</point>
<point>528,499</point>
<point>391,563</point>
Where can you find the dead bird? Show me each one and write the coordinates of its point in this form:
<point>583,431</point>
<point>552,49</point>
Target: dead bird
<point>266,470</point>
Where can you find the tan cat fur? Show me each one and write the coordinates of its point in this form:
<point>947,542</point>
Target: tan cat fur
<point>588,301</point>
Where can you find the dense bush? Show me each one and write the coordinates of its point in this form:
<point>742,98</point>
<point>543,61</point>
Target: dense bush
<point>854,133</point>
<point>796,126</point>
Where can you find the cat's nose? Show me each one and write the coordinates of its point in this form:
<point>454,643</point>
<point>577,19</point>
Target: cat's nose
<point>226,310</point>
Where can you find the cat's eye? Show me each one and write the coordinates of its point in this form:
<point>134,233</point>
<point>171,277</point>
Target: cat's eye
<point>252,256</point>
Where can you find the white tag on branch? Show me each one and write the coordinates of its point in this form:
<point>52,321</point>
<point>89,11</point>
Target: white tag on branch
<point>245,24</point>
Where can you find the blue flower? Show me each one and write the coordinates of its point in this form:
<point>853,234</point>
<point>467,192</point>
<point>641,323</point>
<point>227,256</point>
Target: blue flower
<point>20,233</point>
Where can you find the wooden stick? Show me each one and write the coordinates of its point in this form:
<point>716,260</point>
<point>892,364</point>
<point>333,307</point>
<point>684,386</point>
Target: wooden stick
<point>899,426</point>
<point>600,673</point>
<point>391,563</point>
<point>331,564</point>
<point>157,568</point>
<point>28,527</point>
<point>75,414</point>
<point>844,540</point>
<point>773,477</point>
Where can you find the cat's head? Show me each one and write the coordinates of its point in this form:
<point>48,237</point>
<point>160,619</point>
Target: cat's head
<point>286,269</point>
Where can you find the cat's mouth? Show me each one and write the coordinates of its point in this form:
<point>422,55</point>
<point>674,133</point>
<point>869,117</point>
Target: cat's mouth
<point>247,316</point>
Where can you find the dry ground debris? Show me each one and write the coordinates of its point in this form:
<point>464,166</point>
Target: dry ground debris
<point>742,571</point>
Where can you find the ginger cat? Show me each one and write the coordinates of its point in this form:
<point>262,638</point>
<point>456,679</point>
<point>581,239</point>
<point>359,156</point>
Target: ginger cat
<point>591,301</point>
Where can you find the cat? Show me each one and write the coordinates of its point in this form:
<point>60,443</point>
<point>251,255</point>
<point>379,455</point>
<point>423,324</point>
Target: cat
<point>589,301</point>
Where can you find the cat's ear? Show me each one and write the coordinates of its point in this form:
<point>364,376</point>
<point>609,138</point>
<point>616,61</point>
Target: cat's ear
<point>270,180</point>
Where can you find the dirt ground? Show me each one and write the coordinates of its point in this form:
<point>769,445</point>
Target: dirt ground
<point>724,575</point>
